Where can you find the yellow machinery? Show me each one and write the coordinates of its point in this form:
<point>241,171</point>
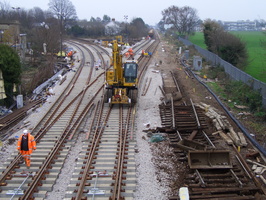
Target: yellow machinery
<point>121,78</point>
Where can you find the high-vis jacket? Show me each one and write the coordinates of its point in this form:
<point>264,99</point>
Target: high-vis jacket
<point>31,143</point>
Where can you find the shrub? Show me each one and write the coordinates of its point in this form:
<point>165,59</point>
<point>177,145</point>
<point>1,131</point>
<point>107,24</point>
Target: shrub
<point>243,94</point>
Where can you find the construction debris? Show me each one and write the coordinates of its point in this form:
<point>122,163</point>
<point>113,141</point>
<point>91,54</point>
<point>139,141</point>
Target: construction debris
<point>241,107</point>
<point>223,127</point>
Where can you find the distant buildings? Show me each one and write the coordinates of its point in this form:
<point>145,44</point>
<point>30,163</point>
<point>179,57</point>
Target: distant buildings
<point>242,25</point>
<point>9,32</point>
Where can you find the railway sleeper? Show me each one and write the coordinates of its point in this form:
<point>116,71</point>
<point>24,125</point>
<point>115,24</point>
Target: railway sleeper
<point>222,197</point>
<point>207,190</point>
<point>219,176</point>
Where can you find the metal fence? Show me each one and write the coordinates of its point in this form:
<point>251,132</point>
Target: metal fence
<point>232,71</point>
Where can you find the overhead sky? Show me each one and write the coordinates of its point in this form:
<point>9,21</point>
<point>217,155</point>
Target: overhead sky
<point>150,10</point>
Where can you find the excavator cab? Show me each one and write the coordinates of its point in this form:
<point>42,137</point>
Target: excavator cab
<point>130,72</point>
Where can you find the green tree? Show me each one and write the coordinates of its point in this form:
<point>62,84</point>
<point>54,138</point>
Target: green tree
<point>92,19</point>
<point>137,28</point>
<point>77,31</point>
<point>226,45</point>
<point>160,25</point>
<point>11,70</point>
<point>211,32</point>
<point>233,50</point>
<point>263,45</point>
<point>106,19</point>
<point>4,11</point>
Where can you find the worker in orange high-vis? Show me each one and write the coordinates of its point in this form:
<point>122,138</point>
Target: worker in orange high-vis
<point>131,53</point>
<point>26,144</point>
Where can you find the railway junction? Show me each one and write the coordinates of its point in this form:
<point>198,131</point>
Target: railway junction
<point>165,143</point>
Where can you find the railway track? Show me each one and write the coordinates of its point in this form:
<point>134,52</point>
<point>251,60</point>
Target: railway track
<point>53,131</point>
<point>10,120</point>
<point>95,142</point>
<point>106,156</point>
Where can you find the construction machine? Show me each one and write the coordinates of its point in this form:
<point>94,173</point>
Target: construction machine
<point>121,77</point>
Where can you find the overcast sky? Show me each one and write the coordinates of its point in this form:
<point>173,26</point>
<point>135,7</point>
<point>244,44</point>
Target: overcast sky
<point>150,10</point>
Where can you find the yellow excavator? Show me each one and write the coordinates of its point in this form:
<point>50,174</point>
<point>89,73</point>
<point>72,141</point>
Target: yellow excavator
<point>121,78</point>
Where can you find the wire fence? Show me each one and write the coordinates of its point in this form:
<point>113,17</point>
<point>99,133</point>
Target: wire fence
<point>233,72</point>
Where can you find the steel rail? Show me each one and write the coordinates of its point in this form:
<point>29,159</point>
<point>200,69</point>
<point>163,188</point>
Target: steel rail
<point>195,114</point>
<point>94,117</point>
<point>248,170</point>
<point>94,143</point>
<point>44,128</point>
<point>143,61</point>
<point>66,131</point>
<point>175,81</point>
<point>123,132</point>
<point>84,112</point>
<point>146,87</point>
<point>173,113</point>
<point>45,166</point>
<point>118,175</point>
<point>47,125</point>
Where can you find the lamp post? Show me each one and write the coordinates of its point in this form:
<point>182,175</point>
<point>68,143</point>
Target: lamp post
<point>16,8</point>
<point>126,17</point>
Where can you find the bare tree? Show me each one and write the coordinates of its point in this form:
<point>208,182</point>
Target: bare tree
<point>184,19</point>
<point>64,10</point>
<point>37,14</point>
<point>4,11</point>
<point>46,33</point>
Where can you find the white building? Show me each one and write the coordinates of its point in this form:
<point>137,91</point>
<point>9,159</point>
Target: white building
<point>112,28</point>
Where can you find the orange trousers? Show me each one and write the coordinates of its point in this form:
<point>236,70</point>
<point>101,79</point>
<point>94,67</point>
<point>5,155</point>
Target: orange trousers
<point>26,156</point>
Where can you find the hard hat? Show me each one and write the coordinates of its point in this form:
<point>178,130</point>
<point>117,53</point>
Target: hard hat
<point>25,131</point>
